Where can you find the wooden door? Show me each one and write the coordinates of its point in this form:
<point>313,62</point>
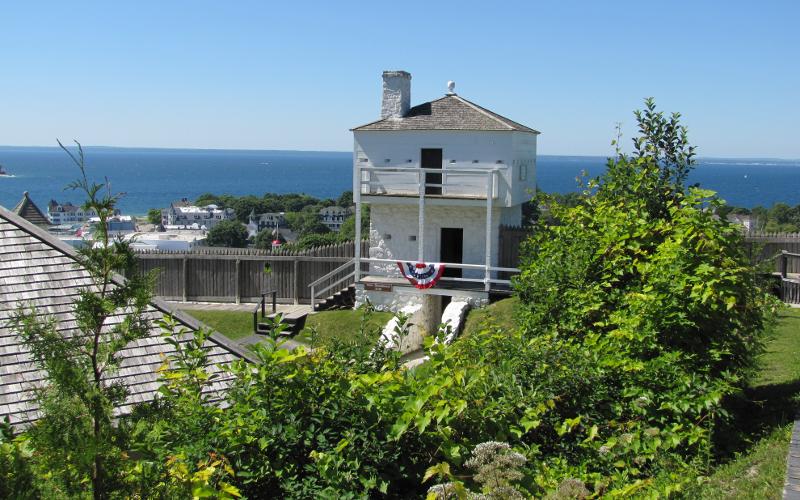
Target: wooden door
<point>432,158</point>
<point>451,249</point>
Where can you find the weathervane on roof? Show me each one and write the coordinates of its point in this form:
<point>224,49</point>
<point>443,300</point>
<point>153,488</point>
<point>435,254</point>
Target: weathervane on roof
<point>451,88</point>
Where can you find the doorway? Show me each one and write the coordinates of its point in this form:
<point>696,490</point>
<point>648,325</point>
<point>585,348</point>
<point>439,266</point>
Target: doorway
<point>432,158</point>
<point>451,249</point>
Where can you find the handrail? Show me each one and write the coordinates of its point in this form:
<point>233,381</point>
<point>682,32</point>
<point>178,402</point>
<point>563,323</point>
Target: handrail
<point>320,280</point>
<point>262,305</point>
<point>482,170</point>
<point>339,269</point>
<point>345,278</point>
<point>479,267</point>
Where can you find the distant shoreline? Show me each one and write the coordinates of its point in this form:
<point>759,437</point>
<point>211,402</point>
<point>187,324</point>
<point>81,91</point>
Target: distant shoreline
<point>157,149</point>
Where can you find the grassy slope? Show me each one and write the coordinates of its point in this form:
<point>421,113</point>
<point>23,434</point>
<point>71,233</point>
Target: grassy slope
<point>499,314</point>
<point>759,439</point>
<point>341,323</point>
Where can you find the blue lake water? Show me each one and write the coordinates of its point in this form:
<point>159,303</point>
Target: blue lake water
<point>155,177</point>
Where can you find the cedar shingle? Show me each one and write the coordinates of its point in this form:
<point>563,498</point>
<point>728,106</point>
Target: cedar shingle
<point>450,112</point>
<point>39,271</point>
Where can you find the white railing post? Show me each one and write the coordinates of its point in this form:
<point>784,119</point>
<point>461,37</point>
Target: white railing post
<point>357,200</point>
<point>489,200</point>
<point>421,231</point>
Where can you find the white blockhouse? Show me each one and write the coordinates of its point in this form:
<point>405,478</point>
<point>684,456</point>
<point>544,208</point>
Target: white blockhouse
<point>440,179</point>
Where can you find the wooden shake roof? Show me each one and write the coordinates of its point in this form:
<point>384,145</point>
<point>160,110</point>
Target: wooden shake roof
<point>450,112</point>
<point>28,210</point>
<point>38,270</point>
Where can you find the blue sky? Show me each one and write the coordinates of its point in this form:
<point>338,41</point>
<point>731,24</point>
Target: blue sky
<point>298,75</point>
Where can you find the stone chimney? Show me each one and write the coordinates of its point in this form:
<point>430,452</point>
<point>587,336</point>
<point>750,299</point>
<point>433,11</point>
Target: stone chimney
<point>396,94</point>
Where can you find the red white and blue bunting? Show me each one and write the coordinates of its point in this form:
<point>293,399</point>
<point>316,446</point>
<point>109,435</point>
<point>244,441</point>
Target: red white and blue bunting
<point>421,275</point>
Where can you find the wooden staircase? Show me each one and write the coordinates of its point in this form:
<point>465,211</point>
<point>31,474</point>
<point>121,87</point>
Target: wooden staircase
<point>343,299</point>
<point>293,324</point>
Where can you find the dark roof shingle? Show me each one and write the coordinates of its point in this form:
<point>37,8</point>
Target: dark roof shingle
<point>450,112</point>
<point>28,210</point>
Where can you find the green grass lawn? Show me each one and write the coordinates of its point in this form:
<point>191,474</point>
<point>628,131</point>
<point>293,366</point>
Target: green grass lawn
<point>499,314</point>
<point>341,324</point>
<point>239,324</point>
<point>233,324</point>
<point>757,442</point>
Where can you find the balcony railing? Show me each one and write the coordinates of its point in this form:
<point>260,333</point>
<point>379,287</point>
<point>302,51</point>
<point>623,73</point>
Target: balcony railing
<point>349,273</point>
<point>434,182</point>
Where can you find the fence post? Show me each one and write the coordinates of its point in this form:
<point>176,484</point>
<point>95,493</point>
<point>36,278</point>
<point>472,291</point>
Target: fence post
<point>296,279</point>
<point>784,263</point>
<point>185,279</point>
<point>238,281</point>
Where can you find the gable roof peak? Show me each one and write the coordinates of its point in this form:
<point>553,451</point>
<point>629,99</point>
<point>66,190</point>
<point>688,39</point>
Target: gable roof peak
<point>449,112</point>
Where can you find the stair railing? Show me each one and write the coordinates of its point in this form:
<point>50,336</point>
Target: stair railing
<point>263,307</point>
<point>316,283</point>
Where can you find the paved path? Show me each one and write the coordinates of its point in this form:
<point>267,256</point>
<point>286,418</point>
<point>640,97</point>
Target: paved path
<point>293,309</point>
<point>791,488</point>
<point>228,306</point>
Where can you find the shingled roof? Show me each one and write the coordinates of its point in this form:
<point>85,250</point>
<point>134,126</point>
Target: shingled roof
<point>450,112</point>
<point>39,271</point>
<point>28,210</point>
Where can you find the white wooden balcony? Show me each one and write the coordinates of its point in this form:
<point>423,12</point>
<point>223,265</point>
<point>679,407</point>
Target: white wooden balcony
<point>477,183</point>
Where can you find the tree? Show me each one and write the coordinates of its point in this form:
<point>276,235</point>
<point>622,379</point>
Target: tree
<point>227,233</point>
<point>154,216</point>
<point>265,238</point>
<point>641,234</point>
<point>75,432</point>
<point>644,278</point>
<point>209,199</point>
<point>662,156</point>
<point>306,221</point>
<point>348,230</point>
<point>345,199</point>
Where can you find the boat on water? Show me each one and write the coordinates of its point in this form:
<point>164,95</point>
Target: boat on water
<point>3,172</point>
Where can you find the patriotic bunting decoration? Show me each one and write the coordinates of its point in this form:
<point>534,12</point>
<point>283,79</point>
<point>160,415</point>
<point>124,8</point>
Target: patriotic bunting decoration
<point>421,275</point>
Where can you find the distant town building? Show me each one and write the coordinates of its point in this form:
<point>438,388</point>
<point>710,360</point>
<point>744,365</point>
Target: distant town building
<point>183,214</point>
<point>67,213</point>
<point>28,210</point>
<point>167,240</point>
<point>744,220</point>
<point>334,216</point>
<point>260,222</point>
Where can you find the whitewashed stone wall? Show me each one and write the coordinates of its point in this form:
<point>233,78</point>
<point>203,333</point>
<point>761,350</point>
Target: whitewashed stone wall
<point>453,318</point>
<point>392,226</point>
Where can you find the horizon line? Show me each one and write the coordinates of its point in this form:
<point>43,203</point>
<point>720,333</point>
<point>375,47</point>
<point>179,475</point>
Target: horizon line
<point>100,146</point>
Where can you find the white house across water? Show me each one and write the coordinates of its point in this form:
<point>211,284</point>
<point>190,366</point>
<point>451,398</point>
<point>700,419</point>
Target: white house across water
<point>440,179</point>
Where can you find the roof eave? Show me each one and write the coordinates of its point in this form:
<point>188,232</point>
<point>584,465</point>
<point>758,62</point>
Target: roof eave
<point>69,251</point>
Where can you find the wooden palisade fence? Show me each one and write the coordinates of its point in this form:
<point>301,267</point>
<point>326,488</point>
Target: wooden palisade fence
<point>765,246</point>
<point>242,275</point>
